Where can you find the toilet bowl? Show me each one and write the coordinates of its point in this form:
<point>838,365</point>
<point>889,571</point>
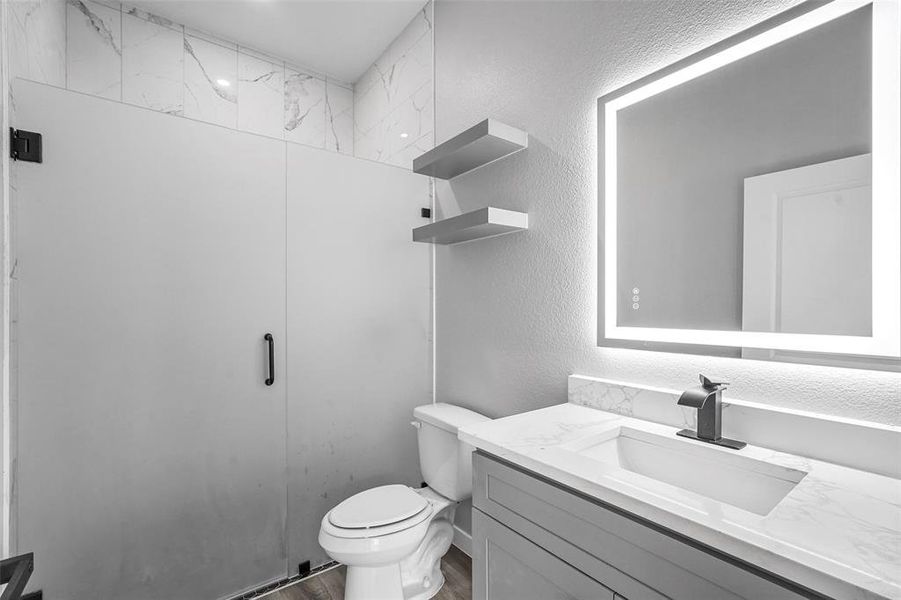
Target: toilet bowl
<point>392,537</point>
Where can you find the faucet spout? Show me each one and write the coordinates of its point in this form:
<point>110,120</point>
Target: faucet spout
<point>707,398</point>
<point>698,397</point>
<point>694,398</point>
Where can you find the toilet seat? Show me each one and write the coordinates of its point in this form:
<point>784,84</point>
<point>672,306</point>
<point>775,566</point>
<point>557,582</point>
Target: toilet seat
<point>377,512</point>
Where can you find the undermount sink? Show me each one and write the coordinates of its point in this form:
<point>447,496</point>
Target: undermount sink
<point>723,475</point>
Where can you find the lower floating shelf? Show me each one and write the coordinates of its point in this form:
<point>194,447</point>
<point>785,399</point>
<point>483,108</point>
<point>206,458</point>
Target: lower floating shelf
<point>483,223</point>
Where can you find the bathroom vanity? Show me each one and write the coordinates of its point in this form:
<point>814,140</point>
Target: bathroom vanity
<point>575,502</point>
<point>532,534</point>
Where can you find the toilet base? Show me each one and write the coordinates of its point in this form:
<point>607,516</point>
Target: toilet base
<point>421,571</point>
<point>420,592</point>
<point>373,583</point>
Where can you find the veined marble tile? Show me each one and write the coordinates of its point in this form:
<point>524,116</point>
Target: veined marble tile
<point>110,4</point>
<point>401,136</point>
<point>261,100</point>
<point>415,118</point>
<point>393,100</point>
<point>211,82</point>
<point>404,156</point>
<point>37,40</point>
<point>372,148</point>
<point>94,49</point>
<point>642,402</point>
<point>158,20</point>
<point>153,64</point>
<point>339,118</point>
<point>304,109</point>
<point>397,74</point>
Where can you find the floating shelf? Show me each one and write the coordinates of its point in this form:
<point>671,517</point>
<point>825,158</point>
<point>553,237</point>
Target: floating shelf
<point>486,142</point>
<point>483,223</point>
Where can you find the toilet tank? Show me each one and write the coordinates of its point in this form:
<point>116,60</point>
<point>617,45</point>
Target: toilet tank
<point>445,461</point>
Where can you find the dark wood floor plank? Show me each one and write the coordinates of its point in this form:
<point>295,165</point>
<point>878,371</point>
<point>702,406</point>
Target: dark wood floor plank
<point>457,569</point>
<point>329,585</point>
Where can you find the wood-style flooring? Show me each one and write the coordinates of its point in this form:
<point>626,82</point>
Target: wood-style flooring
<point>329,585</point>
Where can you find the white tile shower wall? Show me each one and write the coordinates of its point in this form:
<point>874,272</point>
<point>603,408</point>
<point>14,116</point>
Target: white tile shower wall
<point>394,99</point>
<point>152,64</point>
<point>211,82</point>
<point>37,41</point>
<point>94,49</point>
<point>339,118</point>
<point>113,51</point>
<point>858,444</point>
<point>261,84</point>
<point>304,108</point>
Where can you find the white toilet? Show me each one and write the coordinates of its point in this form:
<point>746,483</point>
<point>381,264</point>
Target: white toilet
<point>392,537</point>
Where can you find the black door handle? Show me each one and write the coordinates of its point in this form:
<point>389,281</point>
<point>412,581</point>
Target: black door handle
<point>271,379</point>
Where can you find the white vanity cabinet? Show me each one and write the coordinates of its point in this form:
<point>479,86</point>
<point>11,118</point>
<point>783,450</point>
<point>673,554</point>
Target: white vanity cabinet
<point>534,539</point>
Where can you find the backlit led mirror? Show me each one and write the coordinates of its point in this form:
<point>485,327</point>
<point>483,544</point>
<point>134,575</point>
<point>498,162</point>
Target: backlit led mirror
<point>749,194</point>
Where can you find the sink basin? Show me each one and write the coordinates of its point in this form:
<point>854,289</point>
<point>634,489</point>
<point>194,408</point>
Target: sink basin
<point>723,475</point>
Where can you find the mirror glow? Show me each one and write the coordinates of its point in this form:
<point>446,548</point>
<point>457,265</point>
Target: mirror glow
<point>885,337</point>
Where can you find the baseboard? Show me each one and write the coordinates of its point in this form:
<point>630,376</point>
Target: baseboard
<point>463,541</point>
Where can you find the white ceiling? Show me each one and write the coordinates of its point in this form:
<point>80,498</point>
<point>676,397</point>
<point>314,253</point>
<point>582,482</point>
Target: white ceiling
<point>334,37</point>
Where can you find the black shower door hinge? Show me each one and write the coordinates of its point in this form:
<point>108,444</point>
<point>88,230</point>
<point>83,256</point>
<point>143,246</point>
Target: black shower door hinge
<point>25,145</point>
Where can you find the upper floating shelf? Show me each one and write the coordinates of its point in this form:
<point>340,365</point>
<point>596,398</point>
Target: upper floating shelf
<point>482,223</point>
<point>486,142</point>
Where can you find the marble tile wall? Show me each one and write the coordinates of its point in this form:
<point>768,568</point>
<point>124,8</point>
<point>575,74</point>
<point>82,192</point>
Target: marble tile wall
<point>868,446</point>
<point>113,51</point>
<point>394,99</point>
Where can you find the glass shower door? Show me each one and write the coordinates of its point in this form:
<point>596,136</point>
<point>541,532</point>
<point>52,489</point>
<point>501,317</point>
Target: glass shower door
<point>150,263</point>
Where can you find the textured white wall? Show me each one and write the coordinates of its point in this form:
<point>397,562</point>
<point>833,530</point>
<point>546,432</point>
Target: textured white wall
<point>517,314</point>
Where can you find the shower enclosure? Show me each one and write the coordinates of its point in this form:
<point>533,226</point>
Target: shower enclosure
<point>152,255</point>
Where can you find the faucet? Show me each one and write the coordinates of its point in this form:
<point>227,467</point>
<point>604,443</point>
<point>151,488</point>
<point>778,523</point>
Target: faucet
<point>708,399</point>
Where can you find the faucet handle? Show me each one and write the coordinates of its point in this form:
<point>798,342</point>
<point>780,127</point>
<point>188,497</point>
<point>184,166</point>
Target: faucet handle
<point>707,384</point>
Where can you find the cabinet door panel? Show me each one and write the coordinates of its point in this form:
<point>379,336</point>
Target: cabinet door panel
<point>624,553</point>
<point>151,262</point>
<point>507,566</point>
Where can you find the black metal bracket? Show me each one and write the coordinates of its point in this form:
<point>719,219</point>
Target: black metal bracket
<point>425,213</point>
<point>15,572</point>
<point>303,569</point>
<point>25,145</point>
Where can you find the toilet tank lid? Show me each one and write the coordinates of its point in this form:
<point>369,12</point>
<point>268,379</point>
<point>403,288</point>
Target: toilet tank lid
<point>447,416</point>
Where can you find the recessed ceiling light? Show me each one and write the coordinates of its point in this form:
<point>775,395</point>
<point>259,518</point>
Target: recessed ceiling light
<point>404,135</point>
<point>223,82</point>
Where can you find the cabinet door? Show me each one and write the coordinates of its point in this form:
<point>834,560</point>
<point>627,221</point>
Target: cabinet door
<point>507,566</point>
<point>151,262</point>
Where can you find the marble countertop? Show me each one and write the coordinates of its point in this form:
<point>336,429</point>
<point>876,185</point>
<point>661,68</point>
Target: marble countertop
<point>838,532</point>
